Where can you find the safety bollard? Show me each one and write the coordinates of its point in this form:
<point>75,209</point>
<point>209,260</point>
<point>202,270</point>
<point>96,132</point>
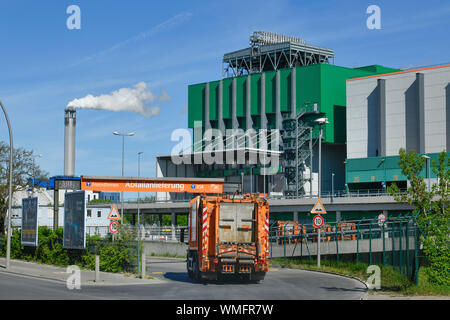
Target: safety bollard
<point>143,266</point>
<point>97,268</point>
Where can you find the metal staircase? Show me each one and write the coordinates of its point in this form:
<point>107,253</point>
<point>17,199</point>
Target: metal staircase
<point>298,141</point>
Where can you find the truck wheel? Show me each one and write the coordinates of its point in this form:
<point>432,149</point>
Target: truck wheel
<point>196,270</point>
<point>189,271</point>
<point>258,276</point>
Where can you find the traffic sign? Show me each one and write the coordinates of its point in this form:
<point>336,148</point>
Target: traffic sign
<point>381,219</point>
<point>318,221</point>
<point>114,226</point>
<point>318,208</point>
<point>114,214</point>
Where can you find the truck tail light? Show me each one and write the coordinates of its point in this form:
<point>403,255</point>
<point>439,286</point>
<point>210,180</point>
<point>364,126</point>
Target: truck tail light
<point>215,261</point>
<point>260,261</point>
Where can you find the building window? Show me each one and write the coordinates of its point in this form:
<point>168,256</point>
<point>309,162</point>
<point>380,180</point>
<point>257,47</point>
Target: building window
<point>89,213</point>
<point>99,214</point>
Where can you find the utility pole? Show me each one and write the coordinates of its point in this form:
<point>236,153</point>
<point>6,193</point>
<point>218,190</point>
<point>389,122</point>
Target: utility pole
<point>123,135</point>
<point>139,214</point>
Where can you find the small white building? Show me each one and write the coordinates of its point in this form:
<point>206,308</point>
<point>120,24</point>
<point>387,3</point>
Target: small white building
<point>96,217</point>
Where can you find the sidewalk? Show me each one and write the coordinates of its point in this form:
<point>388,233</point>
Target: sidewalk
<point>55,273</point>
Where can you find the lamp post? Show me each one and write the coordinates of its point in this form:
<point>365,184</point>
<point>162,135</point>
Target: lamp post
<point>139,214</point>
<point>123,135</point>
<point>11,148</point>
<point>34,171</point>
<point>320,121</point>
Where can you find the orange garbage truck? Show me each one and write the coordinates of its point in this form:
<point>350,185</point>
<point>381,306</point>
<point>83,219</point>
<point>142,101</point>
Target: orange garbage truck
<point>228,237</point>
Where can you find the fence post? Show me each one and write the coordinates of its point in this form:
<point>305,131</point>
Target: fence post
<point>400,247</point>
<point>284,241</point>
<point>370,243</point>
<point>393,243</point>
<point>357,241</point>
<point>416,255</point>
<point>144,266</point>
<point>384,245</point>
<point>337,243</point>
<point>301,242</point>
<point>407,247</point>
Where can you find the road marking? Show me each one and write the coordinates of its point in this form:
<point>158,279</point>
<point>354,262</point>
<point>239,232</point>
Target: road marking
<point>272,269</point>
<point>157,272</point>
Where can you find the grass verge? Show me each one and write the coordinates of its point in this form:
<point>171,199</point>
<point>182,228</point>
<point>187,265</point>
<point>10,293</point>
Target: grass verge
<point>391,280</point>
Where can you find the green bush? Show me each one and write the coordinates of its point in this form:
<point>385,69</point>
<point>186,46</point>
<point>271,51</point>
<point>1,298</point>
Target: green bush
<point>114,256</point>
<point>113,259</point>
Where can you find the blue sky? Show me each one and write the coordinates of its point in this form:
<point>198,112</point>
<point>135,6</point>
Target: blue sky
<point>168,45</point>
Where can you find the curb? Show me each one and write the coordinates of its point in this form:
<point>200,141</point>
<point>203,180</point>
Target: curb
<point>363,297</point>
<point>88,282</point>
<point>32,276</point>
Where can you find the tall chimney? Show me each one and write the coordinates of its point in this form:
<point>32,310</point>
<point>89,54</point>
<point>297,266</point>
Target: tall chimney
<point>69,141</point>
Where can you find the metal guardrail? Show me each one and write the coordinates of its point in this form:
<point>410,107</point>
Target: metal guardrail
<point>324,195</point>
<point>135,201</point>
<point>155,233</point>
<point>341,194</point>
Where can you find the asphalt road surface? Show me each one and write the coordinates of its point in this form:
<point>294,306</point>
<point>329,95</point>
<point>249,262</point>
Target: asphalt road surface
<point>283,284</point>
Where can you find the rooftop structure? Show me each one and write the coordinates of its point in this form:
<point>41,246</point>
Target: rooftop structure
<point>270,51</point>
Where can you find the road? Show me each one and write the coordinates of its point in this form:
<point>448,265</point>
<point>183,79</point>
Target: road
<point>283,284</point>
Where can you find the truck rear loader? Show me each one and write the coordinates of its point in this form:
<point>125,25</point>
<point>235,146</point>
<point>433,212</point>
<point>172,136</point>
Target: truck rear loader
<point>228,237</point>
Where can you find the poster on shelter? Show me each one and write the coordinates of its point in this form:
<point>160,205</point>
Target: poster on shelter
<point>74,220</point>
<point>29,234</point>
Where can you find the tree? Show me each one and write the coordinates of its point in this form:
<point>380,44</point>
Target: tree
<point>24,168</point>
<point>431,208</point>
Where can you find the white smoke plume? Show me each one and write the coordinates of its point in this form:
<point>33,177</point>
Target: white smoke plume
<point>125,99</point>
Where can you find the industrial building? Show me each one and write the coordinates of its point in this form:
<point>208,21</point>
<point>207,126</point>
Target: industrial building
<point>408,109</point>
<point>283,84</point>
<point>288,100</point>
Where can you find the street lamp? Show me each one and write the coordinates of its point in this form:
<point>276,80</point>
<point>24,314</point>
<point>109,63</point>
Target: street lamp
<point>11,148</point>
<point>320,121</point>
<point>34,171</point>
<point>123,135</point>
<point>139,214</point>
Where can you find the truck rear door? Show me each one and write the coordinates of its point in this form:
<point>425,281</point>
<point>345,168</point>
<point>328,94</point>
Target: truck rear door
<point>236,222</point>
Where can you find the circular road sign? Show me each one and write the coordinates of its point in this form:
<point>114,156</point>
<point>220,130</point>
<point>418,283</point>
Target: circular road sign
<point>381,219</point>
<point>317,221</point>
<point>114,226</point>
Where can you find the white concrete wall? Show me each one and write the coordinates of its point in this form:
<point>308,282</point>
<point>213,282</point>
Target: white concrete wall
<point>402,121</point>
<point>396,87</point>
<point>45,217</point>
<point>437,86</point>
<point>362,100</point>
